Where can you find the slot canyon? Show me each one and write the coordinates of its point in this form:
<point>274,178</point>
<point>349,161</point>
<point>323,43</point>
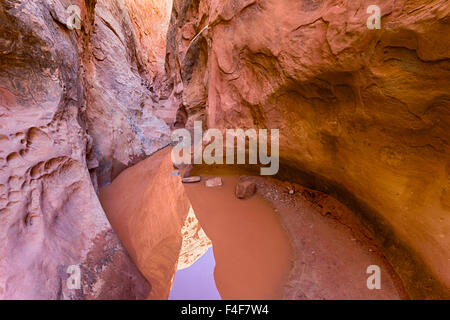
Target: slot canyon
<point>91,92</point>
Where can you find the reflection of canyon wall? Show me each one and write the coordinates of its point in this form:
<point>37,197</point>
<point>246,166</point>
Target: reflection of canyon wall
<point>363,114</point>
<point>74,104</point>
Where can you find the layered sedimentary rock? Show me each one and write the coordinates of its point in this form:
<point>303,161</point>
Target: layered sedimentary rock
<point>75,103</point>
<point>364,114</point>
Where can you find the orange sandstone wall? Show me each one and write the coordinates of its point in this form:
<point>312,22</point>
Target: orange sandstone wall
<point>363,114</point>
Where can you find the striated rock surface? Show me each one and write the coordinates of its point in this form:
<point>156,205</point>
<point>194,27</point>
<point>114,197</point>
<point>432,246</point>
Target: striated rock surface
<point>122,71</point>
<point>74,104</point>
<point>363,114</point>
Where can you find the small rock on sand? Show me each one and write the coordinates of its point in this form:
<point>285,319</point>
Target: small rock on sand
<point>290,188</point>
<point>245,189</point>
<point>193,179</point>
<point>214,182</point>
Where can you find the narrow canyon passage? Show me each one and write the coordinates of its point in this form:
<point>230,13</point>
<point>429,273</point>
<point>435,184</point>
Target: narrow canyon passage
<point>353,93</point>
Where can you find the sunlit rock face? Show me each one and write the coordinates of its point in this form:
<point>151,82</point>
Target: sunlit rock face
<point>122,72</point>
<point>74,105</point>
<point>363,114</point>
<point>150,20</point>
<point>150,211</point>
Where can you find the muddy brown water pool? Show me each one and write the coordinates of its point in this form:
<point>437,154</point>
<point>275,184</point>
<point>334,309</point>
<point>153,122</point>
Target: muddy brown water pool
<point>251,249</point>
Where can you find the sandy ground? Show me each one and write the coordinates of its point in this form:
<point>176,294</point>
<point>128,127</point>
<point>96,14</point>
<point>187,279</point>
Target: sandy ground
<point>332,249</point>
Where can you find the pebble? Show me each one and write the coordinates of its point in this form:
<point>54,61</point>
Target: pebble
<point>214,182</point>
<point>193,179</point>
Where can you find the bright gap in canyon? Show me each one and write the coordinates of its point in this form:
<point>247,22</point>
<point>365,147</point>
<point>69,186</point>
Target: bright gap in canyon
<point>224,150</point>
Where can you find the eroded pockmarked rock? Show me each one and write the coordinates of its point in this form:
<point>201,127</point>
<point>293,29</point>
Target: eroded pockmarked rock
<point>50,216</point>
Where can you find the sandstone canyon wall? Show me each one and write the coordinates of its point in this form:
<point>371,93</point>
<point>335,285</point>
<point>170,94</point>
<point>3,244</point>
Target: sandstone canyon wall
<point>76,107</point>
<point>122,69</point>
<point>364,115</point>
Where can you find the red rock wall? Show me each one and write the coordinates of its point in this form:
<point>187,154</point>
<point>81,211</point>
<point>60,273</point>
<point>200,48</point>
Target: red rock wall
<point>122,71</point>
<point>363,114</point>
<point>74,105</point>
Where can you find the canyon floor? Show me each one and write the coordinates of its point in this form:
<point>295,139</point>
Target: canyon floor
<point>285,242</point>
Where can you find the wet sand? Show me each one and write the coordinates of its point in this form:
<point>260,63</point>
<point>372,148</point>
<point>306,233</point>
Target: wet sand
<point>251,249</point>
<point>332,248</point>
